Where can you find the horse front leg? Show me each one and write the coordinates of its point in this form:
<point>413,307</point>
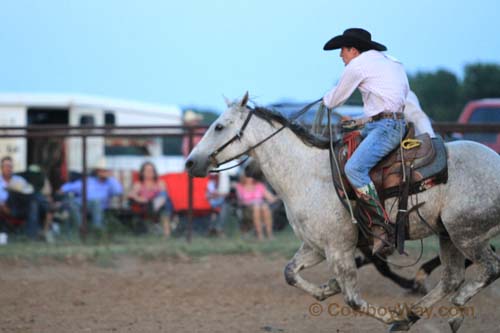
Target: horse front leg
<point>343,265</point>
<point>305,258</point>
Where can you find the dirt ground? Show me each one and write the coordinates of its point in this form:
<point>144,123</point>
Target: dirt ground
<point>210,294</point>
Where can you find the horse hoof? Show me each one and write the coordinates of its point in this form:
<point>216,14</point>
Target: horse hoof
<point>399,326</point>
<point>418,289</point>
<point>455,324</point>
<point>405,324</point>
<point>321,297</point>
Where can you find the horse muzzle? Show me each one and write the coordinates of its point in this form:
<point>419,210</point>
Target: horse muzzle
<point>197,166</point>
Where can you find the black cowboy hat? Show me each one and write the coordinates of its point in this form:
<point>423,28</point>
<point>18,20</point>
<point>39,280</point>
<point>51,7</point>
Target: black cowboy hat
<point>354,37</point>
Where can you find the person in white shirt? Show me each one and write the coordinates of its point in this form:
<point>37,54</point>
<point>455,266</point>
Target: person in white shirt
<point>17,199</point>
<point>414,114</point>
<point>383,84</point>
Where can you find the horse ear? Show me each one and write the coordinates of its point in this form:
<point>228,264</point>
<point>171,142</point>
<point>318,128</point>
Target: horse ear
<point>227,101</point>
<point>244,101</point>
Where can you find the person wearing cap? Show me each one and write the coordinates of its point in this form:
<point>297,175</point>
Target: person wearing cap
<point>384,86</point>
<point>101,187</point>
<point>192,118</point>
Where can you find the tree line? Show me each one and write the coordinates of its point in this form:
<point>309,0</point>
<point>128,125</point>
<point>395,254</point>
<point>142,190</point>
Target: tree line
<point>443,95</point>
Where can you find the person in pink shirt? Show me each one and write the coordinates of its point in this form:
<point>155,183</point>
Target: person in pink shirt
<point>254,195</point>
<point>149,195</point>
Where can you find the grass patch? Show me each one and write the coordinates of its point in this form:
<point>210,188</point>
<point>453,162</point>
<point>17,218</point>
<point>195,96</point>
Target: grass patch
<point>104,250</point>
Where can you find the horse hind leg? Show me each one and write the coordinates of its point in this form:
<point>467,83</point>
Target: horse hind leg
<point>383,268</point>
<point>452,277</point>
<point>426,270</point>
<point>303,259</point>
<point>489,270</point>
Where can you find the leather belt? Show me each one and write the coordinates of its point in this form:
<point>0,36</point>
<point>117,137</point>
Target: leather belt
<point>355,123</point>
<point>386,115</point>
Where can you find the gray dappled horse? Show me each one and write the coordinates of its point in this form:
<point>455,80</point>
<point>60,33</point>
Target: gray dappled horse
<point>416,285</point>
<point>465,211</point>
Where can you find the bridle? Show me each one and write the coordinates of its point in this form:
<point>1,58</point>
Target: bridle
<point>251,111</point>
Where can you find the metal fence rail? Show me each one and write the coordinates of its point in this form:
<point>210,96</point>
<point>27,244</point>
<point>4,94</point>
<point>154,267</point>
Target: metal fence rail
<point>446,129</point>
<point>84,132</point>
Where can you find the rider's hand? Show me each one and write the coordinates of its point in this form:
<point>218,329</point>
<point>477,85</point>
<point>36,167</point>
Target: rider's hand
<point>348,125</point>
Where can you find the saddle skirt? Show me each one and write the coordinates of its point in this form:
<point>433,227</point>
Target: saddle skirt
<point>426,160</point>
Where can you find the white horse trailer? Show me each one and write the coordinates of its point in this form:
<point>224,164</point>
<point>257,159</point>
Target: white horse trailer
<point>58,155</point>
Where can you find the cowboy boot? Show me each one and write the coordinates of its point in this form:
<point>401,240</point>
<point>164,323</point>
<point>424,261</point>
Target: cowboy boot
<point>381,228</point>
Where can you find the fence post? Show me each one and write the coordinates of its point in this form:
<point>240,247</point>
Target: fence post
<point>84,226</point>
<point>190,192</point>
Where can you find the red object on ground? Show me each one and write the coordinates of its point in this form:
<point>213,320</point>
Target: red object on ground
<point>178,191</point>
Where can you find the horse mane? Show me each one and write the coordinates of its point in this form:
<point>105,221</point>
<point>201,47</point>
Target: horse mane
<point>303,133</point>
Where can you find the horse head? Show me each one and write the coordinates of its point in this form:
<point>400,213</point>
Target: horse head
<point>223,141</point>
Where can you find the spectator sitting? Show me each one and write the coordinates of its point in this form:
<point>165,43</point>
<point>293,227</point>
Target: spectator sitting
<point>253,195</point>
<point>43,196</point>
<point>101,187</point>
<point>217,190</point>
<point>149,195</point>
<point>17,200</point>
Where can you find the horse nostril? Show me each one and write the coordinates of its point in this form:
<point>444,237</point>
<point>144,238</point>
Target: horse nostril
<point>189,164</point>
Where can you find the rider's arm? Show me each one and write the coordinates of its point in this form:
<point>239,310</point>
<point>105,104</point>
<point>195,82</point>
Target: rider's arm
<point>349,81</point>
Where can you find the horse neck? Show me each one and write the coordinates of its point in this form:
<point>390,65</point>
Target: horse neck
<point>284,159</point>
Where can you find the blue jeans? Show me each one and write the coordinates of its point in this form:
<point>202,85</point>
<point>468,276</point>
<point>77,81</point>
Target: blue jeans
<point>380,138</point>
<point>94,208</point>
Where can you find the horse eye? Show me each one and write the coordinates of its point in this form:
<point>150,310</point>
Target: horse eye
<point>219,127</point>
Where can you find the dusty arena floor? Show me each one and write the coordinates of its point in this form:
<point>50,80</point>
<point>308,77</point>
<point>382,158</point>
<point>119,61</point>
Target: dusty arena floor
<point>245,293</point>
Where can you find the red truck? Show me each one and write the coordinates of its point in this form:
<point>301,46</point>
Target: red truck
<point>482,111</point>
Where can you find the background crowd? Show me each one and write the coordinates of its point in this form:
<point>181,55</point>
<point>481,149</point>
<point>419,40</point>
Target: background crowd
<point>30,208</point>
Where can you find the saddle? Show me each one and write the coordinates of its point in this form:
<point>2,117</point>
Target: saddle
<point>426,161</point>
<point>423,162</point>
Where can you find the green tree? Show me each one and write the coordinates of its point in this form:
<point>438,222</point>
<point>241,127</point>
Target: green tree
<point>439,94</point>
<point>481,80</point>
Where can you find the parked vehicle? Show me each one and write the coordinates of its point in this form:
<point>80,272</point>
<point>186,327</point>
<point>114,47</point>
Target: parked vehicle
<point>482,111</point>
<point>308,119</point>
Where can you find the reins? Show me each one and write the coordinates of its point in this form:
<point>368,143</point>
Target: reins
<point>239,135</point>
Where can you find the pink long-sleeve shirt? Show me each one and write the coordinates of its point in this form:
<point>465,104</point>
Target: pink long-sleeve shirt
<point>381,80</point>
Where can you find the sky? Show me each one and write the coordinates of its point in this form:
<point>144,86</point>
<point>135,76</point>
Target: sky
<point>194,52</point>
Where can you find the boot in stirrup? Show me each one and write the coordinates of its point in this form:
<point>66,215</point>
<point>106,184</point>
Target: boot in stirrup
<point>382,229</point>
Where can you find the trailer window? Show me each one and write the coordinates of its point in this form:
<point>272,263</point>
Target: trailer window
<point>127,146</point>
<point>109,119</point>
<point>171,145</point>
<point>87,120</point>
